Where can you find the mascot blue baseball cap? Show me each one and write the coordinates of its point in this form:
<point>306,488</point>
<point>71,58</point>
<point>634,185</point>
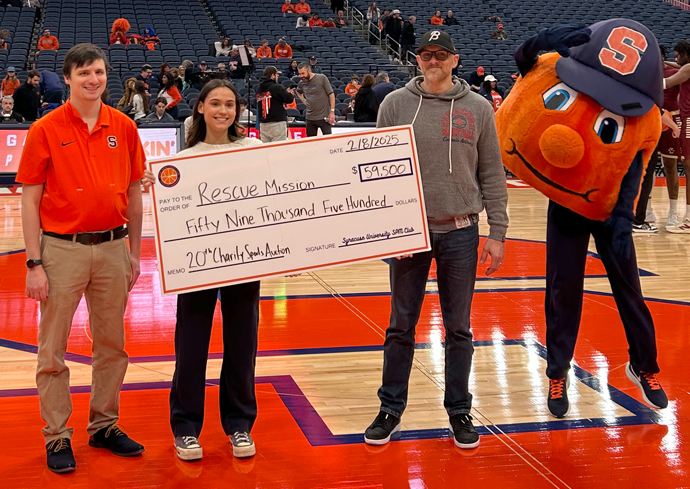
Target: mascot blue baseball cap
<point>620,67</point>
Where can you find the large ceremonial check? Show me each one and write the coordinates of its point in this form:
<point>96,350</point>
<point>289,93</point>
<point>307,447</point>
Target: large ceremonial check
<point>282,208</point>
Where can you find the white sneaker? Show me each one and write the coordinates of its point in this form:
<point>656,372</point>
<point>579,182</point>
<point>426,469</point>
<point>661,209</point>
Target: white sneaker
<point>188,448</point>
<point>242,445</point>
<point>645,228</point>
<point>672,219</point>
<point>682,228</point>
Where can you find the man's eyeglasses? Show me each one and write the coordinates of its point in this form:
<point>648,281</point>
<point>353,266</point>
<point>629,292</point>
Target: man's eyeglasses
<point>440,55</point>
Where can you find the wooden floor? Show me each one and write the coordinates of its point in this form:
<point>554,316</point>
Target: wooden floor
<point>319,367</point>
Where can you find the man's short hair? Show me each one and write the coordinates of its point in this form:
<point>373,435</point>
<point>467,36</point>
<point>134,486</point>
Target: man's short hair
<point>305,65</point>
<point>412,17</point>
<point>382,76</point>
<point>242,101</point>
<point>146,67</point>
<point>35,73</point>
<point>8,97</point>
<point>82,55</point>
<point>161,100</point>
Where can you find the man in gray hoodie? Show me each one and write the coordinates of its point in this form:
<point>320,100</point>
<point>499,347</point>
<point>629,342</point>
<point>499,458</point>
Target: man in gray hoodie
<point>462,174</point>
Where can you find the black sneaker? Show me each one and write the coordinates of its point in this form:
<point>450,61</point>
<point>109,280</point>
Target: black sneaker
<point>645,228</point>
<point>380,431</point>
<point>242,444</point>
<point>464,434</point>
<point>115,440</point>
<point>60,456</point>
<point>558,403</point>
<point>188,448</point>
<point>652,392</point>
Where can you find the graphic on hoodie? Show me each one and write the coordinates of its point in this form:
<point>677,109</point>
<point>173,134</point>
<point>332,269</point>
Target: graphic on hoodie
<point>264,99</point>
<point>463,125</point>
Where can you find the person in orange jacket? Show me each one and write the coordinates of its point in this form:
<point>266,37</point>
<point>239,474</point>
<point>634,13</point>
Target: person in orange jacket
<point>288,7</point>
<point>329,22</point>
<point>315,21</point>
<point>264,51</point>
<point>302,7</point>
<point>47,41</point>
<point>282,49</point>
<point>437,19</point>
<point>353,87</point>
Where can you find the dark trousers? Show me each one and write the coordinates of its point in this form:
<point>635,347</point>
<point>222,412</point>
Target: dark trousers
<point>404,48</point>
<point>456,269</point>
<point>567,237</point>
<point>646,190</point>
<point>313,127</point>
<point>240,309</point>
<point>174,112</point>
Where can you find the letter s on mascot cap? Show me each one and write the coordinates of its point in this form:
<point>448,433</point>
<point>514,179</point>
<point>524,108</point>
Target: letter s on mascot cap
<point>580,125</point>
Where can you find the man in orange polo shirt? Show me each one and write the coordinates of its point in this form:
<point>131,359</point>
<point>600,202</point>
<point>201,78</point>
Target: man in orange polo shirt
<point>302,7</point>
<point>80,187</point>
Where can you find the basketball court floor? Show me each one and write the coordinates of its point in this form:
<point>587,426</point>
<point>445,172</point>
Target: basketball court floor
<point>319,366</point>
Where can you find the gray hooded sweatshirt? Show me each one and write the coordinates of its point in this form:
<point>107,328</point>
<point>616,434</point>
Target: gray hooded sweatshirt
<point>459,156</point>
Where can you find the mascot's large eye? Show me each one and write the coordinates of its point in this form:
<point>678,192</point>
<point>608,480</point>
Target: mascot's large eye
<point>609,127</point>
<point>559,97</point>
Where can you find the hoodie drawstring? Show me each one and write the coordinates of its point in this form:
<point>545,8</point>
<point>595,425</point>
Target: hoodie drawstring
<point>450,139</point>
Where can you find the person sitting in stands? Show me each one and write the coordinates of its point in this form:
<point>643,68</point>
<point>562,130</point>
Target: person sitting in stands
<point>302,21</point>
<point>437,19</point>
<point>302,7</point>
<point>160,115</point>
<point>288,7</point>
<point>282,49</point>
<point>340,20</point>
<point>170,94</point>
<point>477,78</point>
<point>8,114</point>
<point>48,42</point>
<point>264,50</point>
<point>293,69</point>
<point>313,63</point>
<point>149,38</point>
<point>245,113</point>
<point>315,21</point>
<point>329,22</point>
<point>499,33</point>
<point>223,47</point>
<point>491,92</point>
<point>4,34</point>
<point>353,87</point>
<point>118,32</point>
<point>235,64</point>
<point>450,20</point>
<point>250,48</point>
<point>10,83</point>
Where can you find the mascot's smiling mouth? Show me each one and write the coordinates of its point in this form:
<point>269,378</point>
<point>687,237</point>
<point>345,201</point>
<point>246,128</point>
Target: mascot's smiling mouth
<point>546,180</point>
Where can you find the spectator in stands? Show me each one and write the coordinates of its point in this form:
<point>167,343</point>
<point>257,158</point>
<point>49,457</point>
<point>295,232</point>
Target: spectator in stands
<point>282,49</point>
<point>171,95</point>
<point>8,114</point>
<point>272,98</point>
<point>264,50</point>
<point>383,86</point>
<point>349,109</point>
<point>293,69</point>
<point>288,8</point>
<point>383,20</point>
<point>436,19</point>
<point>329,22</point>
<point>160,115</point>
<point>315,21</point>
<point>26,99</point>
<point>499,33</point>
<point>314,90</point>
<point>119,31</point>
<point>450,20</point>
<point>223,47</point>
<point>48,42</point>
<point>407,38</point>
<point>140,101</point>
<point>221,72</point>
<point>491,92</point>
<point>144,75</point>
<point>246,115</point>
<point>175,73</point>
<point>4,34</point>
<point>237,71</point>
<point>394,26</point>
<point>337,5</point>
<point>313,63</point>
<point>50,87</point>
<point>353,87</point>
<point>183,76</point>
<point>476,79</point>
<point>302,7</point>
<point>250,49</point>
<point>340,20</point>
<point>149,38</point>
<point>203,68</point>
<point>302,21</point>
<point>10,83</point>
<point>165,67</point>
<point>129,94</point>
<point>366,102</point>
<point>374,20</point>
<point>148,32</point>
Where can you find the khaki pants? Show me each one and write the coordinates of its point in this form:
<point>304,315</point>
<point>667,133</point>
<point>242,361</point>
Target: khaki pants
<point>273,131</point>
<point>102,274</point>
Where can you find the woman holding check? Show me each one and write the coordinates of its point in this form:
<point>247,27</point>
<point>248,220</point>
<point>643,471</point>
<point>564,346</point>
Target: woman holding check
<point>215,126</point>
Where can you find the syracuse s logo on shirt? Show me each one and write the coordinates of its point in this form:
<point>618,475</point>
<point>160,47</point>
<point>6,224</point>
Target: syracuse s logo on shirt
<point>112,141</point>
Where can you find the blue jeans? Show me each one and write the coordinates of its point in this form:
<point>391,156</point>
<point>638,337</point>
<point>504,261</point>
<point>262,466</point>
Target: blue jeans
<point>456,264</point>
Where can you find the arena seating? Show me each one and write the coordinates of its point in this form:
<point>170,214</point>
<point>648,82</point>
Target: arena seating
<point>20,23</point>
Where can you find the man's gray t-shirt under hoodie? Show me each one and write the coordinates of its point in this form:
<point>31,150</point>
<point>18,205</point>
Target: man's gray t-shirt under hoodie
<point>316,93</point>
<point>459,155</point>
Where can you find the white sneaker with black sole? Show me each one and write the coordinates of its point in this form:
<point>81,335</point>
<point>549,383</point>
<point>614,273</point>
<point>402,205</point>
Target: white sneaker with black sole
<point>188,448</point>
<point>242,445</point>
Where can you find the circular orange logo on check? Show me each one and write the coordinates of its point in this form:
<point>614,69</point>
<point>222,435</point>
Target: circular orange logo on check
<point>169,176</point>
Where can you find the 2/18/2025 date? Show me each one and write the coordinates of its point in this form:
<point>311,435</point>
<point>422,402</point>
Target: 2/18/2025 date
<point>370,142</point>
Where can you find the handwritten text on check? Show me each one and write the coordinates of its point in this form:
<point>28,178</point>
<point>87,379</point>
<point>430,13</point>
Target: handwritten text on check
<point>288,207</point>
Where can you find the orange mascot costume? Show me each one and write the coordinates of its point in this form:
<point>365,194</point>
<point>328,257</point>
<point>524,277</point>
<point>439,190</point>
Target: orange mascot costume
<point>580,126</point>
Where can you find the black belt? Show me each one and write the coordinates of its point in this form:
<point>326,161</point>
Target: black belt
<point>91,238</point>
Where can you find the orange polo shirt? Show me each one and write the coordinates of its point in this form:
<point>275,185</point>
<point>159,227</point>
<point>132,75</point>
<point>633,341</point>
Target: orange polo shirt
<point>282,52</point>
<point>86,176</point>
<point>263,52</point>
<point>302,8</point>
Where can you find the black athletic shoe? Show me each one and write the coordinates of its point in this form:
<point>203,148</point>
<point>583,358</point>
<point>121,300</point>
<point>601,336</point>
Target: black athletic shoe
<point>60,456</point>
<point>558,403</point>
<point>381,430</point>
<point>115,440</point>
<point>652,392</point>
<point>464,434</point>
